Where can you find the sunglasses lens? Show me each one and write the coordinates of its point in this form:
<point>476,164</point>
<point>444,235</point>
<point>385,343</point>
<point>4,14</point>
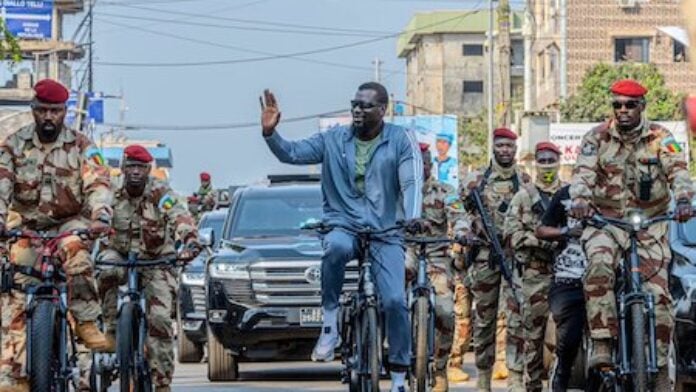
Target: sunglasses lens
<point>631,105</point>
<point>628,104</point>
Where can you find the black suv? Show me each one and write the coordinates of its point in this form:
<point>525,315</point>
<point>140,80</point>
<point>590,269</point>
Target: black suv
<point>263,284</point>
<point>191,316</point>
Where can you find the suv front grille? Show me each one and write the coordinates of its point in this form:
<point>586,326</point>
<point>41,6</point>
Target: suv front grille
<point>239,291</point>
<point>288,283</point>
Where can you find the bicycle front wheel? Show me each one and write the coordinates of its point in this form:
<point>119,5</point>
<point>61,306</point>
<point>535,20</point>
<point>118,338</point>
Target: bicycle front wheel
<point>640,378</point>
<point>420,336</point>
<point>372,350</point>
<point>44,353</point>
<point>127,338</point>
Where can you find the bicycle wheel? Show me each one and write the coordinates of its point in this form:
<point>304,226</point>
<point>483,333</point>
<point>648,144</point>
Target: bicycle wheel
<point>372,347</point>
<point>421,339</point>
<point>127,339</point>
<point>44,354</point>
<point>640,379</point>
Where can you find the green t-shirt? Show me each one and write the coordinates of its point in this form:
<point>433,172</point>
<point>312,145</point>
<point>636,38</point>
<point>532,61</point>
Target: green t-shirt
<point>363,153</point>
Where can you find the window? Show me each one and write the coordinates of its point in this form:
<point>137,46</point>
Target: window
<point>517,53</point>
<point>553,60</point>
<point>679,52</point>
<point>632,49</point>
<point>472,50</point>
<point>473,86</point>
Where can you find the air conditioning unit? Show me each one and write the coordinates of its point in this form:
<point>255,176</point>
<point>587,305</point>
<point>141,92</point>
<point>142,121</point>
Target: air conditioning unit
<point>627,3</point>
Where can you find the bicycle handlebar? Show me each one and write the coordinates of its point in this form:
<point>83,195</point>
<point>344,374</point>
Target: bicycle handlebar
<point>367,230</point>
<point>428,240</point>
<point>628,225</point>
<point>140,263</point>
<point>45,235</point>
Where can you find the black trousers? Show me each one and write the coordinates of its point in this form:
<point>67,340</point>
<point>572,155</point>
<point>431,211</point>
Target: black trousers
<point>567,304</point>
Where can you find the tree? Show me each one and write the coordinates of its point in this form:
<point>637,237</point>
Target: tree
<point>473,141</point>
<point>592,101</point>
<point>9,47</point>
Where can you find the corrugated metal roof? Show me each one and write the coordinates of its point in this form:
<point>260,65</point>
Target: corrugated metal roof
<point>442,22</point>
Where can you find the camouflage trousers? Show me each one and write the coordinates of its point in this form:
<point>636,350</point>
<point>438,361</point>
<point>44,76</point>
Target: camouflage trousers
<point>462,321</point>
<point>441,278</point>
<point>605,249</point>
<point>159,286</point>
<point>489,298</point>
<point>82,297</point>
<point>526,323</point>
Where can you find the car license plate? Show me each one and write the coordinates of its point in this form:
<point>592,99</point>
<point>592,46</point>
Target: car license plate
<point>310,317</point>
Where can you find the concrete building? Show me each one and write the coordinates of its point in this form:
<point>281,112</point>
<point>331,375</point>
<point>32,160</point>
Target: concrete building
<point>447,62</point>
<point>609,31</point>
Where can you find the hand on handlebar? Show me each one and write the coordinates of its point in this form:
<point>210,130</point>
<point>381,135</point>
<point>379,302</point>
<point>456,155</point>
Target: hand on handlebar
<point>418,226</point>
<point>98,227</point>
<point>468,239</point>
<point>190,251</point>
<point>580,209</point>
<point>684,211</point>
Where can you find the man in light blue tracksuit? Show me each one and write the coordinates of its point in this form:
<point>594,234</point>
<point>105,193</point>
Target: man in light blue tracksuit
<point>372,175</point>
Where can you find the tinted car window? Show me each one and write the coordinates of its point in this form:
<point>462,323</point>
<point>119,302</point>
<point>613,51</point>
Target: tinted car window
<point>275,213</point>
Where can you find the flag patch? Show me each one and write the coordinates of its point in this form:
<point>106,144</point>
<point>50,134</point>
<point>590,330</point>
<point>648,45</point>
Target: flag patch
<point>94,154</point>
<point>166,202</point>
<point>671,145</point>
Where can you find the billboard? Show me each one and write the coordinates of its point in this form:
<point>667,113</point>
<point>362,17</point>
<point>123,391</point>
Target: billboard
<point>28,19</point>
<point>568,136</point>
<point>95,108</point>
<point>440,132</point>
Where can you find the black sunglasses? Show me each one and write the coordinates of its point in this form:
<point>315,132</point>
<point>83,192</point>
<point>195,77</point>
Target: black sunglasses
<point>362,105</point>
<point>631,104</point>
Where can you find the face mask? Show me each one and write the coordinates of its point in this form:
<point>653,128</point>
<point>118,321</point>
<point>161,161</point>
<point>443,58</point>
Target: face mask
<point>547,173</point>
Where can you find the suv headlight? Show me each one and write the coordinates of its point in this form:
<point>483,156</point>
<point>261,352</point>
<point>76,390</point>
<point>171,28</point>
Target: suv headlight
<point>229,271</point>
<point>193,278</point>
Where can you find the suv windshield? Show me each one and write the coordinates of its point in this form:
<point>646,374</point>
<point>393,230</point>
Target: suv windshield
<point>275,213</point>
<point>687,232</point>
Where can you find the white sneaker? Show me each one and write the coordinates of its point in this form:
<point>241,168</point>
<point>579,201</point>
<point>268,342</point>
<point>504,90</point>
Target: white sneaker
<point>326,345</point>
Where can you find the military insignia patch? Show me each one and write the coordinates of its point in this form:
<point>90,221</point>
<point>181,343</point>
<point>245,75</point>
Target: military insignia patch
<point>166,202</point>
<point>94,154</point>
<point>671,145</point>
<point>589,149</point>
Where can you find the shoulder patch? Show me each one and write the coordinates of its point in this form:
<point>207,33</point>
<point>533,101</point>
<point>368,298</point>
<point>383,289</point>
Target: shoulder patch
<point>167,202</point>
<point>588,150</point>
<point>94,154</point>
<point>671,144</point>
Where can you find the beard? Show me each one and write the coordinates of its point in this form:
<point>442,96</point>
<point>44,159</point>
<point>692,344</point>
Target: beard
<point>48,132</point>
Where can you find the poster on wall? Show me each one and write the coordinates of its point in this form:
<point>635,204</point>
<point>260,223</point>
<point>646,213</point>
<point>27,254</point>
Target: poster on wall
<point>439,132</point>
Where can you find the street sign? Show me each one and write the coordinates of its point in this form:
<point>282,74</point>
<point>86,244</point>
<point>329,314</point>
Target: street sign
<point>28,19</point>
<point>95,109</point>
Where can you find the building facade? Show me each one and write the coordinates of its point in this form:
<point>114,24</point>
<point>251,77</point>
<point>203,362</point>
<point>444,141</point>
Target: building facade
<point>446,57</point>
<point>608,31</point>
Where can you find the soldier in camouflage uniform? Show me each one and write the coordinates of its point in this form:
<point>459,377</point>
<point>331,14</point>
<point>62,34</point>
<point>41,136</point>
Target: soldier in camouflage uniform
<point>54,178</point>
<point>628,163</point>
<point>534,259</point>
<point>148,219</point>
<point>436,196</point>
<point>500,182</point>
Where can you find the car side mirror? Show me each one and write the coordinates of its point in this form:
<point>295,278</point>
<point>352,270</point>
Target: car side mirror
<point>206,237</point>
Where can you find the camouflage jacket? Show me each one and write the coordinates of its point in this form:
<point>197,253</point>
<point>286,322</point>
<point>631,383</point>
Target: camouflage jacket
<point>49,185</point>
<point>609,171</point>
<point>152,223</point>
<point>497,194</point>
<point>522,219</point>
<point>436,197</point>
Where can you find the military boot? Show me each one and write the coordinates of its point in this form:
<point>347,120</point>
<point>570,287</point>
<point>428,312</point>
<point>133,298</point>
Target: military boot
<point>455,374</point>
<point>441,384</point>
<point>22,385</point>
<point>91,336</point>
<point>110,343</point>
<point>483,383</point>
<point>515,381</point>
<point>164,388</point>
<point>500,370</point>
<point>601,353</point>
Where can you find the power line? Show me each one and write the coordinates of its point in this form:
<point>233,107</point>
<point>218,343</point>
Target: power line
<point>280,56</point>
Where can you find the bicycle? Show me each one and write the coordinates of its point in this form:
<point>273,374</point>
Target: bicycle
<point>421,302</point>
<point>634,371</point>
<point>51,344</point>
<point>130,365</point>
<point>360,323</point>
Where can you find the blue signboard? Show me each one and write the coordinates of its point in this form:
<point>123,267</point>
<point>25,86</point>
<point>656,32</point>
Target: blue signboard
<point>28,19</point>
<point>95,109</point>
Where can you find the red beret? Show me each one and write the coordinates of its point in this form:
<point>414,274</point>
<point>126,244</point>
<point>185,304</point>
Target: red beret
<point>137,153</point>
<point>629,88</point>
<point>205,176</point>
<point>50,91</point>
<point>504,133</point>
<point>548,146</point>
<point>424,147</point>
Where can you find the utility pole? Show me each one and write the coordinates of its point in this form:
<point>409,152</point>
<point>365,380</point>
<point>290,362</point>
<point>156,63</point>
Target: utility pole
<point>90,59</point>
<point>491,72</point>
<point>378,69</point>
<point>504,59</point>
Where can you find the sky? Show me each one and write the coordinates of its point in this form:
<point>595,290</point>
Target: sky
<point>164,33</point>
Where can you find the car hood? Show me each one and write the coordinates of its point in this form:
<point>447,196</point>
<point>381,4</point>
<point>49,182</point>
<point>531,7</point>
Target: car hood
<point>255,249</point>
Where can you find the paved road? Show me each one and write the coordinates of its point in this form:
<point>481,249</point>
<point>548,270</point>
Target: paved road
<point>283,376</point>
